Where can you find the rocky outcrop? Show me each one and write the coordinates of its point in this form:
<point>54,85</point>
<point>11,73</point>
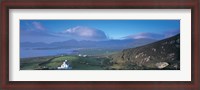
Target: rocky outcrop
<point>162,65</point>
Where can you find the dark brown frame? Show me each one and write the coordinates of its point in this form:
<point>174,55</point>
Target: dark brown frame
<point>99,4</point>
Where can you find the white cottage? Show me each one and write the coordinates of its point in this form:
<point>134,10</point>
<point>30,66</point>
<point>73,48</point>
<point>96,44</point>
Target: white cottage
<point>65,65</point>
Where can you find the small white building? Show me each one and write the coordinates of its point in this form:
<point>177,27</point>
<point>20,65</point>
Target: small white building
<point>84,55</point>
<point>80,55</point>
<point>65,65</point>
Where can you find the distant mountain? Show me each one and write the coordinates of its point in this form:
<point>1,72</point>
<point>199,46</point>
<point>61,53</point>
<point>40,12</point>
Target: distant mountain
<point>164,54</point>
<point>121,44</point>
<point>146,35</point>
<point>30,44</point>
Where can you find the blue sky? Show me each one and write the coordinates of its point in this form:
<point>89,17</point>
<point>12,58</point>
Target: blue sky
<point>113,29</point>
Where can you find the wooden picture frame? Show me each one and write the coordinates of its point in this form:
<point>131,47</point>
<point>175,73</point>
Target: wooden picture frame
<point>194,84</point>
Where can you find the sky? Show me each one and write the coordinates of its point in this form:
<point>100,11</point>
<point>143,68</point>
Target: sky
<point>61,30</point>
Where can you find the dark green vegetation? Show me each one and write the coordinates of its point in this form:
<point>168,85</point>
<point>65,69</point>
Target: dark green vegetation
<point>33,63</point>
<point>164,54</point>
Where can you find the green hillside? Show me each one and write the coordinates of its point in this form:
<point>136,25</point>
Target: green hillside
<point>77,63</point>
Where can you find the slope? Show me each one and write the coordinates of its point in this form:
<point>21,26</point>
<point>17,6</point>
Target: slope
<point>164,54</point>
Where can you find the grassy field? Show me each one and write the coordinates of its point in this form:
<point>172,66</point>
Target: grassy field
<point>76,62</point>
<point>33,63</point>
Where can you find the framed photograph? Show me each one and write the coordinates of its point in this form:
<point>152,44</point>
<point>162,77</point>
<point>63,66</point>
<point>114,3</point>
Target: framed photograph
<point>75,44</point>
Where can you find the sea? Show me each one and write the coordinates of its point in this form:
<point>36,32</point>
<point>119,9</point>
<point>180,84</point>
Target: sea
<point>31,52</point>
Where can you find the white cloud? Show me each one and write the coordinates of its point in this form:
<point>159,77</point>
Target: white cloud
<point>146,35</point>
<point>85,33</point>
<point>38,26</point>
<point>156,36</point>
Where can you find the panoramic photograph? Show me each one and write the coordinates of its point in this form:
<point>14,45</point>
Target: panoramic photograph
<point>99,44</point>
